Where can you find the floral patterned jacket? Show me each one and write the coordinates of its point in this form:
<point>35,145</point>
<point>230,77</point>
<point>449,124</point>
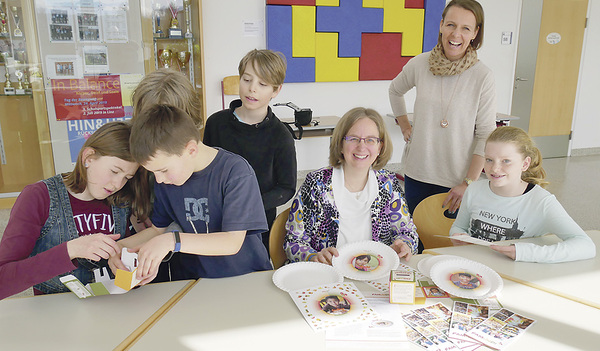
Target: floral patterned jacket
<point>313,223</point>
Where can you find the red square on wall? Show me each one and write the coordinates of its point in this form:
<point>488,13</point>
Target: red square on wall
<point>293,2</point>
<point>381,57</point>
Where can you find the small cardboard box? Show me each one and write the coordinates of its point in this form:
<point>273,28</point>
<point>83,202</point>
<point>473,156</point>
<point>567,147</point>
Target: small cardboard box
<point>103,285</point>
<point>402,287</point>
<point>124,279</point>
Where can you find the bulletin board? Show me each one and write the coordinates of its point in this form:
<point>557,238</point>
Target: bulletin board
<point>92,59</point>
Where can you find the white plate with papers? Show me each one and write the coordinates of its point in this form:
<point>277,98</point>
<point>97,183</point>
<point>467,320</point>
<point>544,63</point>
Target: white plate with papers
<point>300,275</point>
<point>366,260</point>
<point>465,278</point>
<point>424,265</point>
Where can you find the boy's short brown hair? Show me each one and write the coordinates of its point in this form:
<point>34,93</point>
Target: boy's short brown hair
<point>270,66</point>
<point>166,86</point>
<point>163,128</point>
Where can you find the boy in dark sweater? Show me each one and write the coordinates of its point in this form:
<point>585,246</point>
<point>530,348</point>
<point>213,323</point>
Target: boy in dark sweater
<point>250,128</point>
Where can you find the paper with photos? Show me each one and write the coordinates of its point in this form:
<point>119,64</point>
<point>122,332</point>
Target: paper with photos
<point>430,332</point>
<point>464,317</point>
<point>328,306</point>
<point>500,329</point>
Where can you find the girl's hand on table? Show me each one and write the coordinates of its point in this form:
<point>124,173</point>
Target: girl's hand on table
<point>508,250</point>
<point>325,255</point>
<point>402,249</point>
<point>94,246</point>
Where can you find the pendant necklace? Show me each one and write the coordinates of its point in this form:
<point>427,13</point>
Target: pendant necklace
<point>444,122</point>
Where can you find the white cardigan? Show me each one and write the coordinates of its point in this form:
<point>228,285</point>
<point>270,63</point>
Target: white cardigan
<point>437,155</point>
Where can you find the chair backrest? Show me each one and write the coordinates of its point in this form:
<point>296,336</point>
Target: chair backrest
<point>230,85</point>
<point>430,220</point>
<point>276,237</point>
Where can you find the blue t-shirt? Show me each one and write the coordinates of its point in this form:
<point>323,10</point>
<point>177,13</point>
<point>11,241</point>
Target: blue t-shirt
<point>225,197</point>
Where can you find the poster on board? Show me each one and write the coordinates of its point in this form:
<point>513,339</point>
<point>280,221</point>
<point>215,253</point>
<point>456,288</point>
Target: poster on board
<point>78,130</point>
<point>87,98</point>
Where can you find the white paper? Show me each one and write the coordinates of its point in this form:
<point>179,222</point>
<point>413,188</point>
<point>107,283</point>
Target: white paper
<point>114,25</point>
<point>253,28</point>
<point>469,239</point>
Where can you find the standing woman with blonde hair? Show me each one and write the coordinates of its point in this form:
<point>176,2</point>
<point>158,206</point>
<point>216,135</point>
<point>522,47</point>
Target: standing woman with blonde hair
<point>454,112</point>
<point>354,199</point>
<point>512,204</point>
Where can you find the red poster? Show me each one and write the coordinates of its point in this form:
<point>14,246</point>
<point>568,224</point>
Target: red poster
<point>88,98</point>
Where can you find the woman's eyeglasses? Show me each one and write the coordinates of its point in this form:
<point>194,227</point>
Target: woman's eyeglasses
<point>369,141</point>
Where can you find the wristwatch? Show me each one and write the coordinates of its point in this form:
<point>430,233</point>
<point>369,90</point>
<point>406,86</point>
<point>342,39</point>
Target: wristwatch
<point>468,181</point>
<point>177,241</point>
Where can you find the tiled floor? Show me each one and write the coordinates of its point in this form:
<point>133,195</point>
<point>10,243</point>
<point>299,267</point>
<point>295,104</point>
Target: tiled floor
<point>571,179</point>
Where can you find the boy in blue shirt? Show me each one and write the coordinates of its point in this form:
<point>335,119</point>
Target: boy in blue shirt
<point>211,193</point>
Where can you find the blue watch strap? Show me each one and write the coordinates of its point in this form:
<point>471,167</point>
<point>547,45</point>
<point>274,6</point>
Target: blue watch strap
<point>177,241</point>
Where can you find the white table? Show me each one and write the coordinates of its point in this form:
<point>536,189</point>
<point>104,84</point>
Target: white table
<point>64,322</point>
<point>249,313</point>
<point>578,281</point>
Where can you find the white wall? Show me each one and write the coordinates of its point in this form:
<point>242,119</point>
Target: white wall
<point>586,124</point>
<point>225,45</point>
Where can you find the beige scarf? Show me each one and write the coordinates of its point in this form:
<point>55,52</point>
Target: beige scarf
<point>439,65</point>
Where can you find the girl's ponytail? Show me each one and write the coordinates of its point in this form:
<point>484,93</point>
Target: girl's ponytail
<point>535,174</point>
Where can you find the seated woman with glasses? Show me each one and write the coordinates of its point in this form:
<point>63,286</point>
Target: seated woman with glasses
<point>353,199</point>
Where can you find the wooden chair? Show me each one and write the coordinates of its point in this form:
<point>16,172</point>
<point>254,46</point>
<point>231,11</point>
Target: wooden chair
<point>431,219</point>
<point>230,85</point>
<point>276,237</point>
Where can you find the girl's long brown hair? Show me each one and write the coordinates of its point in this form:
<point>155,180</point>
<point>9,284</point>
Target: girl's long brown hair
<point>112,139</point>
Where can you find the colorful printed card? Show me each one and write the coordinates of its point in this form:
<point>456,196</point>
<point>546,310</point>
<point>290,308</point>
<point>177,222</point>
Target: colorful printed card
<point>103,285</point>
<point>427,328</point>
<point>500,329</point>
<point>328,306</point>
<point>464,317</point>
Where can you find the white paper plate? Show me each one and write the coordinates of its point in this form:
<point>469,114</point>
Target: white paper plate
<point>301,275</point>
<point>424,265</point>
<point>465,278</point>
<point>379,261</point>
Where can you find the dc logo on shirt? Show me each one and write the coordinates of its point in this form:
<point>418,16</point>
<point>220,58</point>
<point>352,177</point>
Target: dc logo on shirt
<point>197,208</point>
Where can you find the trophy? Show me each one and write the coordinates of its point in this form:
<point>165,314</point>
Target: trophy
<point>165,56</point>
<point>159,33</point>
<point>188,18</point>
<point>174,30</point>
<point>26,83</point>
<point>8,88</point>
<point>17,32</point>
<point>183,57</point>
<point>19,75</point>
<point>3,23</point>
<point>7,84</point>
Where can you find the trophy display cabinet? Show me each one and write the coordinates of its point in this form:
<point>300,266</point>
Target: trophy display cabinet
<point>176,38</point>
<point>53,51</point>
<point>25,151</point>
